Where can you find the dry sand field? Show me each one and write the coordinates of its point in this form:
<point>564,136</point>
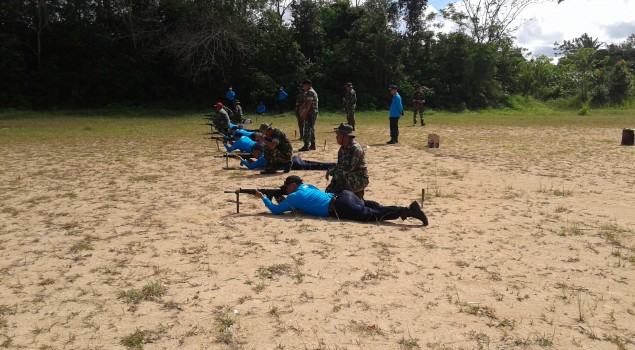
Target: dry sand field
<point>132,243</point>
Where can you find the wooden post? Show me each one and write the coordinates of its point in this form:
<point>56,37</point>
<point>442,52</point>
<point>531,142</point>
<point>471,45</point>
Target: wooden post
<point>324,145</point>
<point>423,195</point>
<point>237,202</point>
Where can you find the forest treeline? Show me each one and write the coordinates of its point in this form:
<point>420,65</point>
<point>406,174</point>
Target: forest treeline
<point>185,53</point>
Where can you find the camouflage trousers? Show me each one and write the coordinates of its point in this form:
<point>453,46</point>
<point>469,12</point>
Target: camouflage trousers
<point>300,124</point>
<point>354,182</point>
<point>277,158</point>
<point>309,127</point>
<point>417,109</point>
<point>350,116</point>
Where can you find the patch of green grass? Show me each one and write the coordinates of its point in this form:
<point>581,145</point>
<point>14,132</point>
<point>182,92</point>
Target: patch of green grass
<point>144,178</point>
<point>272,271</point>
<point>151,291</point>
<point>134,340</point>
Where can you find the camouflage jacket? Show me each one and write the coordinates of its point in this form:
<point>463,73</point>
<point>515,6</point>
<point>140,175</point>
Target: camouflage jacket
<point>418,96</point>
<point>310,96</point>
<point>221,119</point>
<point>350,99</point>
<point>350,160</point>
<point>283,143</point>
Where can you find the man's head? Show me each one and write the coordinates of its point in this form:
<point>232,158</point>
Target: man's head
<point>257,150</point>
<point>230,88</point>
<point>393,89</point>
<point>348,86</point>
<point>306,84</point>
<point>344,134</point>
<point>236,102</point>
<point>264,127</point>
<point>418,88</point>
<point>218,105</point>
<point>281,88</point>
<point>291,184</point>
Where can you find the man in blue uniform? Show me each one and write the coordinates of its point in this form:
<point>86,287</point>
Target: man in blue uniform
<point>345,205</point>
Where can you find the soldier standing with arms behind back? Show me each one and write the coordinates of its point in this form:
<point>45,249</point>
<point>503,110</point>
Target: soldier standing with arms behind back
<point>350,102</point>
<point>418,99</point>
<point>309,109</point>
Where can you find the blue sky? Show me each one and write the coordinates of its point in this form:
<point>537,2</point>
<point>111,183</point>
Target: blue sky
<point>610,21</point>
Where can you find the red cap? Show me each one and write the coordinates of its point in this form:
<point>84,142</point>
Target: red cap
<point>218,105</point>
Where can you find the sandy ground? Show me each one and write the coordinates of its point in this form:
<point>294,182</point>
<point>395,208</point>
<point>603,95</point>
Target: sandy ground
<point>115,244</point>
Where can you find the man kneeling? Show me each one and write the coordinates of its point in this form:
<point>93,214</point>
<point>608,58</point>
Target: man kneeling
<point>345,205</point>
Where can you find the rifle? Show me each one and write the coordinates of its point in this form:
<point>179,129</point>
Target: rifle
<point>236,155</point>
<point>276,193</point>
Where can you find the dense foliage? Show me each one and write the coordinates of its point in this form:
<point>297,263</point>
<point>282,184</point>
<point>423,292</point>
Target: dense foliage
<point>185,53</point>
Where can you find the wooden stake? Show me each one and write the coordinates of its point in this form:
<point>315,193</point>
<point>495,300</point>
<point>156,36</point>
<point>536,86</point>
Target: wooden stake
<point>324,145</point>
<point>237,202</point>
<point>423,195</point>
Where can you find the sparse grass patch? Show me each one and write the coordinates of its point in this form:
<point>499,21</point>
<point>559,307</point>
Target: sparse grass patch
<point>151,291</point>
<point>476,309</point>
<point>273,271</point>
<point>134,340</point>
<point>144,178</point>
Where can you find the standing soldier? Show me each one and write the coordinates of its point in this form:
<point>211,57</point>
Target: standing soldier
<point>309,109</point>
<point>278,149</point>
<point>350,101</point>
<point>350,173</point>
<point>298,102</point>
<point>418,99</point>
<point>237,117</point>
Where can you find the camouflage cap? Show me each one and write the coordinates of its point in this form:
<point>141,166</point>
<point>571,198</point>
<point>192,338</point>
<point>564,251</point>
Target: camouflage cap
<point>345,129</point>
<point>264,127</point>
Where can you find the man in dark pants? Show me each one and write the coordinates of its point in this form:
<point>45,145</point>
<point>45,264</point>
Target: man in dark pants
<point>396,111</point>
<point>345,205</point>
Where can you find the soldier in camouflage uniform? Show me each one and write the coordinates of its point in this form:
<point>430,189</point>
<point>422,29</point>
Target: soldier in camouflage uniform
<point>418,99</point>
<point>309,108</point>
<point>278,149</point>
<point>298,102</point>
<point>350,173</point>
<point>220,119</point>
<point>350,101</point>
<point>237,116</point>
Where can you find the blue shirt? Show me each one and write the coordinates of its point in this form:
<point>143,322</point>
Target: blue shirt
<point>260,163</point>
<point>243,132</point>
<point>396,108</point>
<point>260,108</point>
<point>244,143</point>
<point>230,95</point>
<point>307,198</point>
<point>282,95</point>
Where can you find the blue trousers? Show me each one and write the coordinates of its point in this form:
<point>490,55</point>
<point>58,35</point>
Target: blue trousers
<point>349,207</point>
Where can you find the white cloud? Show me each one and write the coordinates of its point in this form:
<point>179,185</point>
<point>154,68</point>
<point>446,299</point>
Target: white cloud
<point>610,21</point>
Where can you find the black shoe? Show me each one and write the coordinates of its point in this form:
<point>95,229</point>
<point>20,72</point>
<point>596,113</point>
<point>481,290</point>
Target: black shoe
<point>287,167</point>
<point>414,211</point>
<point>391,142</point>
<point>304,148</point>
<point>422,123</point>
<point>268,171</point>
<point>312,147</point>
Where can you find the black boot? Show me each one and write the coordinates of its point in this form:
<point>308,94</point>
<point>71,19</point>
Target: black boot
<point>312,147</point>
<point>287,167</point>
<point>414,211</point>
<point>304,148</point>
